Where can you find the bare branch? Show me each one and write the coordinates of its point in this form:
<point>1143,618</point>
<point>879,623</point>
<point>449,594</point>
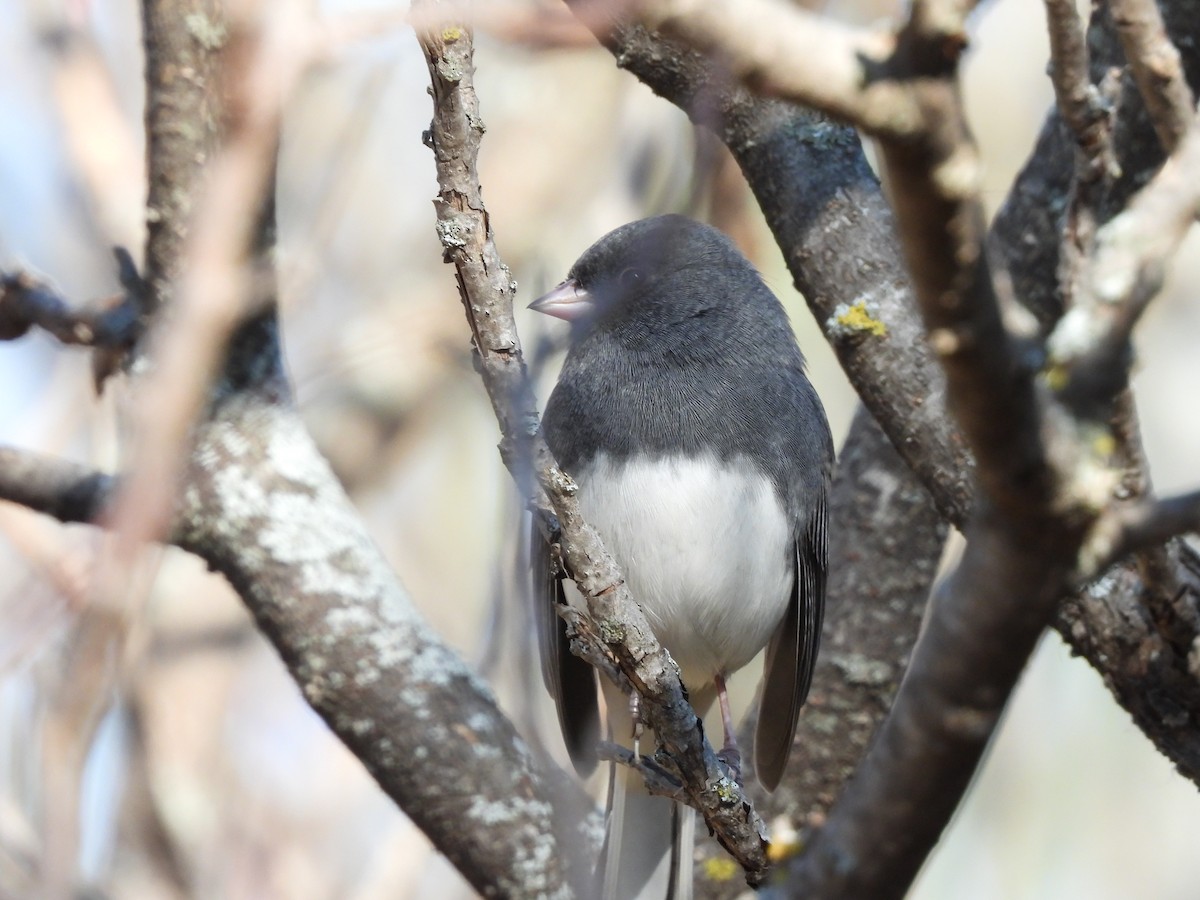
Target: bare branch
<point>1156,522</point>
<point>217,288</point>
<point>1143,525</point>
<point>1089,348</point>
<point>26,302</point>
<point>785,51</point>
<point>1082,107</point>
<point>64,490</point>
<point>1156,68</point>
<point>486,291</point>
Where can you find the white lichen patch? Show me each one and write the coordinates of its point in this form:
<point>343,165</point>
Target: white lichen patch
<point>366,673</point>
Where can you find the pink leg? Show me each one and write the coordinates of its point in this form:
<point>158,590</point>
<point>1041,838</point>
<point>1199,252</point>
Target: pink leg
<point>729,754</point>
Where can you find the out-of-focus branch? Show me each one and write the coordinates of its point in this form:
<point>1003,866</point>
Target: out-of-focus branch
<point>1078,99</point>
<point>1142,526</point>
<point>1156,67</point>
<point>782,50</point>
<point>1089,348</point>
<point>216,231</point>
<point>26,302</point>
<point>486,291</point>
<point>62,489</point>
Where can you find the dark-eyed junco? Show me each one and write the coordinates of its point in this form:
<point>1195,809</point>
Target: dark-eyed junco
<point>703,458</point>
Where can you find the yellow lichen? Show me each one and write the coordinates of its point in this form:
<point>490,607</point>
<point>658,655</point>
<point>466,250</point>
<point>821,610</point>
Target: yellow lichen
<point>451,33</point>
<point>720,868</point>
<point>858,319</point>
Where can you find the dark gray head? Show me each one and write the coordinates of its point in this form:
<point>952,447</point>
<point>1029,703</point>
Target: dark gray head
<point>665,282</point>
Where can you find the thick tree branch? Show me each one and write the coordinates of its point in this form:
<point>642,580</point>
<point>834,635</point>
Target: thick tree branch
<point>615,627</point>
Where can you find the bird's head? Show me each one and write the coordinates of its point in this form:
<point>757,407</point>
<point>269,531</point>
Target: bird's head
<point>647,276</point>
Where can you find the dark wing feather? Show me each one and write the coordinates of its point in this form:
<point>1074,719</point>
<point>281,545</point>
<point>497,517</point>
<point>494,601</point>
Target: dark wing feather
<point>792,653</point>
<point>570,680</point>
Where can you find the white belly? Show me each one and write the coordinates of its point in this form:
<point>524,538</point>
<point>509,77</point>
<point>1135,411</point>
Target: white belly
<point>705,551</point>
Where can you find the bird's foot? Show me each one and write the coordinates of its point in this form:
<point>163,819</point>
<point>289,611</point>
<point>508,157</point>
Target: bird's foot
<point>731,757</point>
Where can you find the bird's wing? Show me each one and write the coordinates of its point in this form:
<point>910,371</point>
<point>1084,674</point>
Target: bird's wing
<point>792,653</point>
<point>570,680</point>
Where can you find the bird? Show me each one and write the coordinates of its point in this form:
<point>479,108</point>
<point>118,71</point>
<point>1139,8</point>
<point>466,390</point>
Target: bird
<point>703,458</point>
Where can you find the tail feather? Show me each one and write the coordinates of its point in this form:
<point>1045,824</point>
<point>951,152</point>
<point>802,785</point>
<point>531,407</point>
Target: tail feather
<point>648,844</point>
<point>648,841</point>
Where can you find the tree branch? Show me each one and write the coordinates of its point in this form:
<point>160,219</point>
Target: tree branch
<point>1156,67</point>
<point>1078,99</point>
<point>1090,346</point>
<point>26,302</point>
<point>47,484</point>
<point>792,53</point>
<point>1143,525</point>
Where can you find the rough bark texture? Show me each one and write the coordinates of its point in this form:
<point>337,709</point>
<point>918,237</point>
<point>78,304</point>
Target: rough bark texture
<point>182,39</point>
<point>262,506</point>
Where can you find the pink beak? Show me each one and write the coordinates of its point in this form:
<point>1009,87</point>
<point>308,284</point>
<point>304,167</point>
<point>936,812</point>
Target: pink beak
<point>567,301</point>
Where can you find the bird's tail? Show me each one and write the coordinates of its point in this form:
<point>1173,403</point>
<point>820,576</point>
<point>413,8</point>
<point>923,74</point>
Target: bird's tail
<point>648,843</point>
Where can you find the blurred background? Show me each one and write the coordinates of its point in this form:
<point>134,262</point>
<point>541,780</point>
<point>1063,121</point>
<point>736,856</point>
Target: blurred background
<point>168,734</point>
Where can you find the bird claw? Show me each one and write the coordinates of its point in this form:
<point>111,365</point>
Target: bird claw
<point>731,758</point>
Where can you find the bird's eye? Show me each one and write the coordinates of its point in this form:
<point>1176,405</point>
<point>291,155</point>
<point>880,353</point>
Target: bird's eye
<point>629,278</point>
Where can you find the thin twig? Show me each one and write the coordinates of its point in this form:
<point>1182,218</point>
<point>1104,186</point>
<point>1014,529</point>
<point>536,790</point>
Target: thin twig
<point>48,484</point>
<point>26,302</point>
<point>1088,349</point>
<point>785,51</point>
<point>1155,63</point>
<point>1140,526</point>
<point>1080,101</point>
